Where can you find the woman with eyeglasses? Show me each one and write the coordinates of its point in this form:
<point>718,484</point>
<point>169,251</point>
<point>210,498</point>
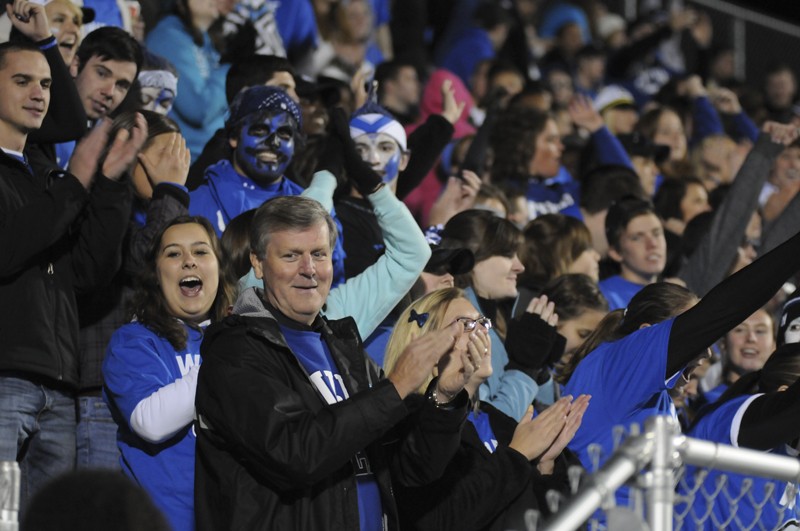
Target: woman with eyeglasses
<point>520,346</point>
<point>502,467</point>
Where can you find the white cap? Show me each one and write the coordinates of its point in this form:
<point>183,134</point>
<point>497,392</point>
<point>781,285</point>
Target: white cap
<point>609,24</point>
<point>378,123</point>
<point>613,96</point>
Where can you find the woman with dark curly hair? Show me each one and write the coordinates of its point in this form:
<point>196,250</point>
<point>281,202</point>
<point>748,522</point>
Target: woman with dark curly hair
<point>527,149</point>
<point>152,363</point>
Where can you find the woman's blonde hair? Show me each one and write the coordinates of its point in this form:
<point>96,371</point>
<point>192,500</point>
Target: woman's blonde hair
<point>428,310</point>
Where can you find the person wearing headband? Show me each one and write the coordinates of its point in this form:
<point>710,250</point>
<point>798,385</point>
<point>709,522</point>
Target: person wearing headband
<point>158,81</point>
<point>381,142</point>
<point>378,143</point>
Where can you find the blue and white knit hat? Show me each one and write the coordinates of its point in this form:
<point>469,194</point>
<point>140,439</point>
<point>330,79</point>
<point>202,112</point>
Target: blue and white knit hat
<point>261,98</point>
<point>372,118</point>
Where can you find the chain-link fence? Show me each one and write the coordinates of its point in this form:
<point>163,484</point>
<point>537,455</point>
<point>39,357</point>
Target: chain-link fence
<point>662,480</point>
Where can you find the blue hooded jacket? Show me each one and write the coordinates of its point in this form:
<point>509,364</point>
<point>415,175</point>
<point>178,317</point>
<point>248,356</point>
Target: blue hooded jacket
<point>225,194</point>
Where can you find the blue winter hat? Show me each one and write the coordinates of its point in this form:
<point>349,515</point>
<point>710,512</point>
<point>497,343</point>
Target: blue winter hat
<point>262,99</point>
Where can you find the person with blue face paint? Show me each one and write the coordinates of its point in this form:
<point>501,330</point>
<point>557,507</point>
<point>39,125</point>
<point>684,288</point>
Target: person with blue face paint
<point>263,127</point>
<point>158,79</point>
<point>264,147</point>
<point>381,142</point>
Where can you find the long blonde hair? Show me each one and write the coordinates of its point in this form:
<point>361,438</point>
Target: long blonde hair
<point>428,310</point>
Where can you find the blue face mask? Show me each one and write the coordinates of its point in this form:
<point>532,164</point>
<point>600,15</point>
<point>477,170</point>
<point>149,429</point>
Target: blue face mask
<point>265,146</point>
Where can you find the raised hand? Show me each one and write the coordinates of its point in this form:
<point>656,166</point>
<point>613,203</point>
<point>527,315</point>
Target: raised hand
<point>124,149</point>
<point>83,163</point>
<point>467,370</point>
<point>681,19</point>
<point>725,100</point>
<point>781,133</point>
<point>692,87</point>
<point>458,195</point>
<point>573,422</point>
<point>169,164</point>
<point>533,437</point>
<point>583,113</point>
<point>544,309</point>
<point>120,156</point>
<point>451,108</point>
<point>30,19</point>
<point>417,360</point>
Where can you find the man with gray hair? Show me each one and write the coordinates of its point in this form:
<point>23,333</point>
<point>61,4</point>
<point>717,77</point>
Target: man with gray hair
<point>298,428</point>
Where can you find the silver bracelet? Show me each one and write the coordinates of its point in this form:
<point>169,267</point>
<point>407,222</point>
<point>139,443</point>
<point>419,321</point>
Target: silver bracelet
<point>435,398</point>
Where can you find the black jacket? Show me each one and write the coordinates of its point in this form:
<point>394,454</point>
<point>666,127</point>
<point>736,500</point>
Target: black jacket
<point>56,239</point>
<point>272,454</point>
<point>103,311</point>
<point>482,490</point>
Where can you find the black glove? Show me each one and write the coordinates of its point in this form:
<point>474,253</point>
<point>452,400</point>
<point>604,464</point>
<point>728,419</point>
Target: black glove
<point>240,44</point>
<point>331,157</point>
<point>530,343</point>
<point>360,173</point>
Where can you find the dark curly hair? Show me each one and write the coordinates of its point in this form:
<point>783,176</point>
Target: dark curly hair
<point>513,143</point>
<point>148,304</point>
<point>670,194</point>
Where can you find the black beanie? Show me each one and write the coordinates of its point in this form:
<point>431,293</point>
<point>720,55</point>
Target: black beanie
<point>790,312</point>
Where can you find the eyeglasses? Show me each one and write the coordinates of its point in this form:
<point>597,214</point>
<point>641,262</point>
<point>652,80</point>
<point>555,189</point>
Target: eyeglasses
<point>470,324</point>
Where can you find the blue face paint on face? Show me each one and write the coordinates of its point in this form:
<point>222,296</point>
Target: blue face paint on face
<point>265,147</point>
<point>157,100</point>
<point>165,100</point>
<point>382,153</point>
<point>392,168</point>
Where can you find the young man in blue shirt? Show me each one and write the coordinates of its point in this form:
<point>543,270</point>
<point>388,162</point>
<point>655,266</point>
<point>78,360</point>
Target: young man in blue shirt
<point>636,242</point>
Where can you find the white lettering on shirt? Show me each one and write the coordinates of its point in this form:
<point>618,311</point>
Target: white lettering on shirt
<point>325,382</point>
<point>186,362</point>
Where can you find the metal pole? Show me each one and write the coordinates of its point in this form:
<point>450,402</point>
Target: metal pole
<point>741,460</point>
<point>629,458</point>
<point>740,48</point>
<point>660,493</point>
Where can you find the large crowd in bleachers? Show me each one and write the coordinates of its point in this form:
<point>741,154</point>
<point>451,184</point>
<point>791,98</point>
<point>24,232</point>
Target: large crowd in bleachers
<point>379,265</point>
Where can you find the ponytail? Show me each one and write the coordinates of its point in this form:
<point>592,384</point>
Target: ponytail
<point>607,330</point>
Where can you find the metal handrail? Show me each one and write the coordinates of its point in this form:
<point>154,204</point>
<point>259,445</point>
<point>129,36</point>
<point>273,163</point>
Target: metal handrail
<point>664,449</point>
